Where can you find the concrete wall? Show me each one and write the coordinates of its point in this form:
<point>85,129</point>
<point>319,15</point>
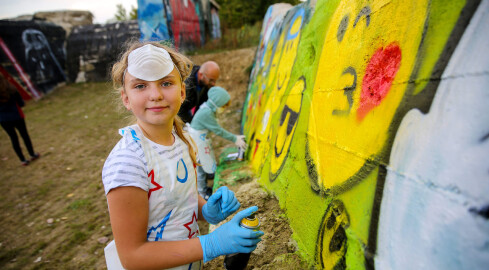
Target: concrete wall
<point>368,120</point>
<point>185,22</point>
<point>92,49</point>
<point>33,53</point>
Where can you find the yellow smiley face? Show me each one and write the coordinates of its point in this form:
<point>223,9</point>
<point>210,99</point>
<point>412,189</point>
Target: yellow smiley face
<point>274,82</point>
<point>333,241</point>
<point>362,77</point>
<point>285,128</point>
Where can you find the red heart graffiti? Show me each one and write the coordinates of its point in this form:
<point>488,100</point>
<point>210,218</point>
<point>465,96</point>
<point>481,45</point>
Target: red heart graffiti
<point>380,73</point>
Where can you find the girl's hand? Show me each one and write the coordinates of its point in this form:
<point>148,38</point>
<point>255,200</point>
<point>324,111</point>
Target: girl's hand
<point>240,142</point>
<point>230,238</point>
<point>220,205</point>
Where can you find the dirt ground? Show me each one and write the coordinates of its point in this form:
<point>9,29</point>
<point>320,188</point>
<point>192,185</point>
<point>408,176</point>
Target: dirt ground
<point>53,213</point>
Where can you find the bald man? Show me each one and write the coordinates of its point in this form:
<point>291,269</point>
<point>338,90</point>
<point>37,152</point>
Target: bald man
<point>197,85</point>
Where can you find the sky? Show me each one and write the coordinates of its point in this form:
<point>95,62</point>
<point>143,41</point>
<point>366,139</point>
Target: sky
<point>102,10</point>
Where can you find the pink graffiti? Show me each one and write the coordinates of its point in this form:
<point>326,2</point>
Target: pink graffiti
<point>381,71</point>
<point>185,24</point>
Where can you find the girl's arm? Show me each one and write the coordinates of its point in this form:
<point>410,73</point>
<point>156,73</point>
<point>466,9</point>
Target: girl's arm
<point>211,124</point>
<point>202,201</point>
<point>128,207</point>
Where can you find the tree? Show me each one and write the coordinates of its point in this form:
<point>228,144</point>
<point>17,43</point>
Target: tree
<point>133,15</point>
<point>236,13</point>
<point>122,15</point>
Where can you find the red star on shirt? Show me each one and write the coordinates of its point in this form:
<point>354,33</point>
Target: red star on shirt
<point>207,150</point>
<point>187,225</point>
<point>152,174</point>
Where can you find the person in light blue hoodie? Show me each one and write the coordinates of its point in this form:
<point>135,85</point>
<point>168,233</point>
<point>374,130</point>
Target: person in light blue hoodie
<point>203,122</point>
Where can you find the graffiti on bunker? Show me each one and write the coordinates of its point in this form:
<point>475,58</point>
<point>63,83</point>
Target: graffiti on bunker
<point>181,21</point>
<point>345,109</point>
<point>153,19</point>
<point>185,23</point>
<point>41,62</point>
<point>33,53</point>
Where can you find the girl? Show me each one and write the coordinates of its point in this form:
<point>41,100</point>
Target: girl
<point>149,177</point>
<point>203,122</point>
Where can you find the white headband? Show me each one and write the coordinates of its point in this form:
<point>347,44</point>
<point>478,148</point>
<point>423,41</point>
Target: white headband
<point>149,63</point>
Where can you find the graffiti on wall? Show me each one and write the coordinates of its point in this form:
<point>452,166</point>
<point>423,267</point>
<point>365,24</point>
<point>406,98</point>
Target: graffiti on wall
<point>329,89</point>
<point>216,24</point>
<point>185,23</point>
<point>33,53</point>
<point>181,21</point>
<point>153,19</point>
<point>444,177</point>
<point>41,62</point>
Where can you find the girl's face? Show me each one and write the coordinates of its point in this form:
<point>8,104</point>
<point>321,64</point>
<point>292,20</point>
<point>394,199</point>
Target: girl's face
<point>154,102</point>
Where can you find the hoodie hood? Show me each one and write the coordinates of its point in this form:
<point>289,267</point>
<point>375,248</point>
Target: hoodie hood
<point>217,97</point>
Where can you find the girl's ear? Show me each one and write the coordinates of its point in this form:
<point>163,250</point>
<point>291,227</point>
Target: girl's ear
<point>183,92</point>
<point>125,100</point>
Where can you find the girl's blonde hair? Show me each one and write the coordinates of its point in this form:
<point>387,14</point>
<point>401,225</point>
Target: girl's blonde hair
<point>182,63</point>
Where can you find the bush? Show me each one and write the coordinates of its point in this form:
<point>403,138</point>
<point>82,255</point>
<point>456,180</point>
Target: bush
<point>233,38</point>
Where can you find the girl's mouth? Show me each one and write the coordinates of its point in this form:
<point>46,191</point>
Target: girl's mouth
<point>157,109</point>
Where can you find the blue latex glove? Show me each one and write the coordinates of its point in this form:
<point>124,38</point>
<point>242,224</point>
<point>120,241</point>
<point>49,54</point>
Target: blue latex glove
<point>230,238</point>
<point>220,205</point>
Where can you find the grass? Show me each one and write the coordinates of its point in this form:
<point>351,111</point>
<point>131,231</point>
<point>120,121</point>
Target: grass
<point>74,128</point>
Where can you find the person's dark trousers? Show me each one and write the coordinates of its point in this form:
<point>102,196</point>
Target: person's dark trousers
<point>10,127</point>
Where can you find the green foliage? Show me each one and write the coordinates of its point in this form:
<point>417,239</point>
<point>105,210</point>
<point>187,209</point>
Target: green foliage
<point>133,14</point>
<point>122,15</point>
<point>233,38</point>
<point>236,13</point>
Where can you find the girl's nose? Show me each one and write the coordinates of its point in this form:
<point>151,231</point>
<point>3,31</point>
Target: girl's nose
<point>156,93</point>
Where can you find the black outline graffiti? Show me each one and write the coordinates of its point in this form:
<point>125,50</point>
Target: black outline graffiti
<point>364,12</point>
<point>285,111</point>
<point>334,218</point>
<point>348,92</point>
<point>342,28</point>
<point>346,185</point>
<point>290,125</point>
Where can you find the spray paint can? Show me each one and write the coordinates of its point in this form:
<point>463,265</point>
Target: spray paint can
<point>239,261</point>
<point>241,153</point>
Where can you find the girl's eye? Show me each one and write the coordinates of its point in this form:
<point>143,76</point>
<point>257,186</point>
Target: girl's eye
<point>139,86</point>
<point>166,84</point>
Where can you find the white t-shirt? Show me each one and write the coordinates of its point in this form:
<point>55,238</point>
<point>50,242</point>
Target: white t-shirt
<point>167,173</point>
